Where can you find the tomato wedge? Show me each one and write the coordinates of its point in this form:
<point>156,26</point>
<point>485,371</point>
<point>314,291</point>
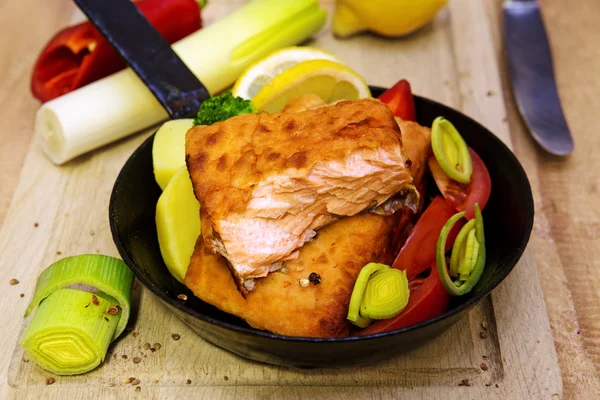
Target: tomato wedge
<point>428,301</point>
<point>399,99</point>
<point>418,252</point>
<point>463,197</point>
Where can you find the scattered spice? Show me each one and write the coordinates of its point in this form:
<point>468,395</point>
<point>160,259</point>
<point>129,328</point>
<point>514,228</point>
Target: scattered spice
<point>226,377</point>
<point>50,381</point>
<point>484,325</point>
<point>304,282</point>
<point>155,381</point>
<point>112,310</point>
<point>188,381</point>
<point>95,300</point>
<point>137,360</point>
<point>152,349</point>
<point>112,384</point>
<point>182,297</point>
<point>464,382</point>
<point>138,389</point>
<point>127,381</point>
<point>115,356</point>
<point>490,93</point>
<point>284,270</point>
<point>92,233</point>
<point>58,253</point>
<point>22,295</point>
<point>314,278</point>
<point>157,346</point>
<point>496,385</point>
<point>408,163</point>
<point>484,366</point>
<point>286,283</point>
<point>25,359</point>
<point>135,334</point>
<point>87,305</point>
<point>147,346</point>
<point>13,282</point>
<point>35,224</point>
<point>483,335</point>
<point>488,384</point>
<point>124,356</point>
<point>135,382</point>
<point>485,357</point>
<point>175,336</point>
<point>106,319</point>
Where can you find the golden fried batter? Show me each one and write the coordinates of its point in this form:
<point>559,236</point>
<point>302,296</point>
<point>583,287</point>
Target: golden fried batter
<point>279,303</point>
<point>268,182</point>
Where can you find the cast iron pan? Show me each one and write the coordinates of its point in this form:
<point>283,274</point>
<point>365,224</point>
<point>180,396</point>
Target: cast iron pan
<point>508,221</point>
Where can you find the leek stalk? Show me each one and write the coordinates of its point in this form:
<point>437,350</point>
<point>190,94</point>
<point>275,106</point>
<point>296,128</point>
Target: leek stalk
<point>71,329</point>
<point>120,104</point>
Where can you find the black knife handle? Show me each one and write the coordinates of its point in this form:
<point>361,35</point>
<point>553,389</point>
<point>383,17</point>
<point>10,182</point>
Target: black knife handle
<point>148,54</point>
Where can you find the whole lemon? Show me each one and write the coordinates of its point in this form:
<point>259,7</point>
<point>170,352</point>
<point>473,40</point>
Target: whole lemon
<point>385,17</point>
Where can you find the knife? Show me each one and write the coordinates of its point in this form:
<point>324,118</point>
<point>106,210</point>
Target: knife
<point>532,75</point>
<point>149,55</point>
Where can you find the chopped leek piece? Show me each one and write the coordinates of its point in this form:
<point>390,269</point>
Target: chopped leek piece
<point>107,274</point>
<point>471,263</point>
<point>386,294</point>
<point>359,290</point>
<point>458,248</point>
<point>451,151</point>
<point>71,331</point>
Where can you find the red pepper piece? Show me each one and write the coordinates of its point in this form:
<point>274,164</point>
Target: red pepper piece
<point>400,100</point>
<point>428,301</point>
<point>79,55</point>
<point>419,250</point>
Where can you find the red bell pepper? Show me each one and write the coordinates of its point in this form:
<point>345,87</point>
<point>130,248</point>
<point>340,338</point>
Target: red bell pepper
<point>79,55</point>
<point>400,100</point>
<point>428,301</point>
<point>418,252</point>
<point>464,196</point>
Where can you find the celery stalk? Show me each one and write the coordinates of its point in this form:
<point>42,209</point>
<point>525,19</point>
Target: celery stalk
<point>120,104</point>
<point>71,331</point>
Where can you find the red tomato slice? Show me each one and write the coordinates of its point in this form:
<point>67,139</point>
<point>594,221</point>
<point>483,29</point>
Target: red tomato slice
<point>418,252</point>
<point>428,301</point>
<point>463,197</point>
<point>400,100</point>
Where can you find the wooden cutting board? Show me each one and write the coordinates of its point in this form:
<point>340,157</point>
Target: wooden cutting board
<point>503,349</point>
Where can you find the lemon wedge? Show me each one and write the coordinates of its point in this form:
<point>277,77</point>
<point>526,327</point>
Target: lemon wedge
<point>328,79</point>
<point>257,75</point>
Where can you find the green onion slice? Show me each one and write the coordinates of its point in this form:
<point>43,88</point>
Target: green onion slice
<point>451,151</point>
<point>386,294</point>
<point>71,330</point>
<point>468,258</point>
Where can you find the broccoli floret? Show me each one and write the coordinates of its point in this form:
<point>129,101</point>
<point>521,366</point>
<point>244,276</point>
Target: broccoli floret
<point>222,107</point>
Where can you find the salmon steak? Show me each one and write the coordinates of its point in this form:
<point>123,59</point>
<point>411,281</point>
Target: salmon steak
<point>268,182</point>
<point>279,302</point>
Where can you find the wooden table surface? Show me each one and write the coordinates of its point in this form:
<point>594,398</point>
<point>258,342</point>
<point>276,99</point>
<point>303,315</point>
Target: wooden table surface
<point>566,239</point>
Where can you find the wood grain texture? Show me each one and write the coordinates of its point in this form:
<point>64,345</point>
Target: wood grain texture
<point>455,60</point>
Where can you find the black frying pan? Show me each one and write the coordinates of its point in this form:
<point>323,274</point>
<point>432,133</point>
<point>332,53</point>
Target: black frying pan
<point>508,222</point>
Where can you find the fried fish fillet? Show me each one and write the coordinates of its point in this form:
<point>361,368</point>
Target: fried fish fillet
<point>268,182</point>
<point>279,303</point>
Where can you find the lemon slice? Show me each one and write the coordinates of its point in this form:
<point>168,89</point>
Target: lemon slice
<point>257,75</point>
<point>329,80</point>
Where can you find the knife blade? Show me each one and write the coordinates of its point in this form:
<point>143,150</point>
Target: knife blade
<point>172,83</point>
<point>532,76</point>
